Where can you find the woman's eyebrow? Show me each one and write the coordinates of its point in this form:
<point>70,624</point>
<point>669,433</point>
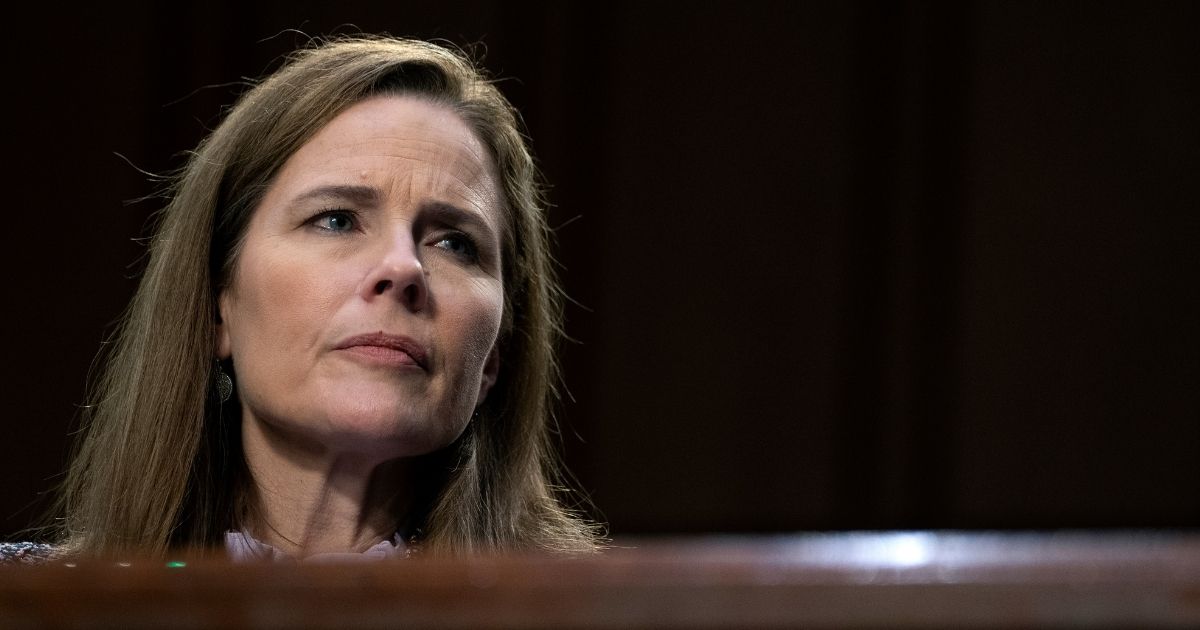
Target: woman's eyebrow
<point>358,195</point>
<point>450,214</point>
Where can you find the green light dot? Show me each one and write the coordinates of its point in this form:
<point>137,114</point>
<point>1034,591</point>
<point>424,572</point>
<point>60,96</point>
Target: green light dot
<point>176,564</point>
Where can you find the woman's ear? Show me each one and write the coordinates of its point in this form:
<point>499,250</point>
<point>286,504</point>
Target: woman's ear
<point>224,347</point>
<point>491,371</point>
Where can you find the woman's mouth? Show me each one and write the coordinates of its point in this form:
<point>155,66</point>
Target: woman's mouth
<point>386,349</point>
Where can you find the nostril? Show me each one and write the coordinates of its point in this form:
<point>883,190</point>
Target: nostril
<point>412,293</point>
<point>382,286</point>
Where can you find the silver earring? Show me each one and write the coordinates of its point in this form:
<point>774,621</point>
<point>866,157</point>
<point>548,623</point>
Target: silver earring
<point>224,384</point>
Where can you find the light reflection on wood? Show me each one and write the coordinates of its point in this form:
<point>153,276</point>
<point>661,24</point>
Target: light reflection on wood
<point>904,579</point>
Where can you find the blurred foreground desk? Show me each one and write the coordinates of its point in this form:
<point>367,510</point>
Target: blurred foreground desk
<point>1132,579</point>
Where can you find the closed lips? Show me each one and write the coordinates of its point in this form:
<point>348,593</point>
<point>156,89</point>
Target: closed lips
<point>390,342</point>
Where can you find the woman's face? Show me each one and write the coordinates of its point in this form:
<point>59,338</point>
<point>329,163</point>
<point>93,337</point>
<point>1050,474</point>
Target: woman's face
<point>367,296</point>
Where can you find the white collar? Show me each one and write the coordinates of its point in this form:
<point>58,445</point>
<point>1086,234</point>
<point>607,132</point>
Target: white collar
<point>242,547</point>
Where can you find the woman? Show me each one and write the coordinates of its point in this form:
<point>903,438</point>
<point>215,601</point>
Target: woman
<point>344,338</point>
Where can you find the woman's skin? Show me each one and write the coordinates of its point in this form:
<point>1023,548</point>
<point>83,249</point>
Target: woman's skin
<point>362,319</point>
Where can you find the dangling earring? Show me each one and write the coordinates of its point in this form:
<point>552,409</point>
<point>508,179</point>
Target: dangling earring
<point>224,384</point>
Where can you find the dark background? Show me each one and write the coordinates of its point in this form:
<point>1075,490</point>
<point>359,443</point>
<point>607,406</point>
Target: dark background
<point>840,265</point>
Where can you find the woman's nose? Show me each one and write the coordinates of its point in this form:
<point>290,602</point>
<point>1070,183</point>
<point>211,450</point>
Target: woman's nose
<point>398,275</point>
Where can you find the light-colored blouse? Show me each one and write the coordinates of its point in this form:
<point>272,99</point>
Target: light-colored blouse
<point>243,547</point>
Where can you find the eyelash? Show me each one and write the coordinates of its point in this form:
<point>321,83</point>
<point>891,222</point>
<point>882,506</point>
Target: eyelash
<point>471,249</point>
<point>334,212</point>
<point>471,253</point>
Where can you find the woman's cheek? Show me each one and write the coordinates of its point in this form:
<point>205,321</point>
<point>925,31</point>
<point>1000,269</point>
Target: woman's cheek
<point>488,296</point>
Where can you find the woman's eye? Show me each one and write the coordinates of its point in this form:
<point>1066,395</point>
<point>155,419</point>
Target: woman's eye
<point>458,244</point>
<point>334,221</point>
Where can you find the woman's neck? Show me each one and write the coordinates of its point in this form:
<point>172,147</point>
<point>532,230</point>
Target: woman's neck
<point>308,499</point>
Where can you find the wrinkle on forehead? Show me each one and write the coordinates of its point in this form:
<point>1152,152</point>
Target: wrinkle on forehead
<point>443,155</point>
<point>433,119</point>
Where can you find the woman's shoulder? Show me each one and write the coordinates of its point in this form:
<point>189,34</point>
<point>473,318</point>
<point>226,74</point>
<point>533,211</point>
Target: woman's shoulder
<point>25,553</point>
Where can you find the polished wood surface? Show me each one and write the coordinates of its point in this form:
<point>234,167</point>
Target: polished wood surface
<point>905,579</point>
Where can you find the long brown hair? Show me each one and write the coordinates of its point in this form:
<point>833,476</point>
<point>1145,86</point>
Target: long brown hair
<point>160,465</point>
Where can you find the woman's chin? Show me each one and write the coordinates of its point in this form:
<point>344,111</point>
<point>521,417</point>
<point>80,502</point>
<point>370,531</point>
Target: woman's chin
<point>389,432</point>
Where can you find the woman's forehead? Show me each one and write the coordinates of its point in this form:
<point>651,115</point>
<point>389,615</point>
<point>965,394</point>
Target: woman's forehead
<point>401,127</point>
<point>397,144</point>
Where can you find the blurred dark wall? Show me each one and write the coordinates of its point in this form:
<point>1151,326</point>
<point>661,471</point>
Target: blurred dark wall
<point>844,265</point>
